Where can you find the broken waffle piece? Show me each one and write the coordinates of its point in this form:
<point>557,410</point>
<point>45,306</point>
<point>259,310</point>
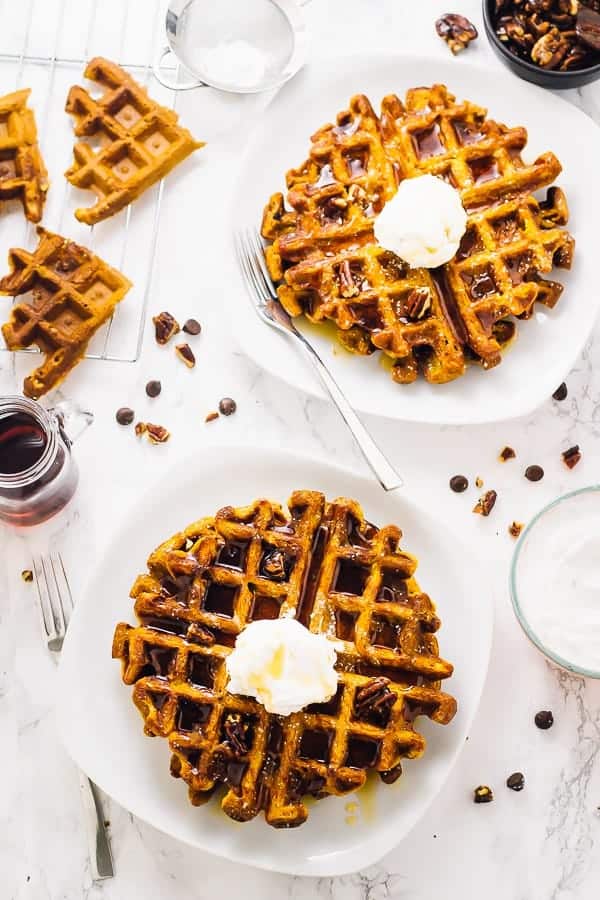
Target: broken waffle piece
<point>324,565</point>
<point>22,171</point>
<point>136,141</point>
<point>71,293</point>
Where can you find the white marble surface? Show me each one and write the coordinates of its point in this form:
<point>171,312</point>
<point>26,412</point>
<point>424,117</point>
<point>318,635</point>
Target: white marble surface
<point>540,844</point>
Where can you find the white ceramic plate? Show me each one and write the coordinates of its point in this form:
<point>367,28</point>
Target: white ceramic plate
<point>547,346</point>
<point>102,729</point>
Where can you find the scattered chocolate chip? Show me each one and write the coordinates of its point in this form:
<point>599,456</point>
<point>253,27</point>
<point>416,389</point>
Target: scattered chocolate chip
<point>192,326</point>
<point>125,415</point>
<point>515,529</point>
<point>561,392</point>
<point>534,473</point>
<point>544,719</point>
<point>211,416</point>
<point>571,456</point>
<point>516,781</point>
<point>458,484</point>
<point>506,454</point>
<point>588,28</point>
<point>227,406</point>
<point>165,326</point>
<point>27,575</point>
<point>185,353</point>
<point>140,429</point>
<point>456,30</point>
<point>483,794</point>
<point>153,388</point>
<point>479,482</point>
<point>486,503</point>
<point>157,434</point>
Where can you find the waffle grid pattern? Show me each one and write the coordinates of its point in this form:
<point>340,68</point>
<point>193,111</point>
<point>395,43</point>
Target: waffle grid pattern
<point>338,575</point>
<point>23,174</point>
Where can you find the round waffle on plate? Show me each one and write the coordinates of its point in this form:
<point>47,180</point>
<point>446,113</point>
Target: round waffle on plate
<point>338,575</point>
<point>328,265</point>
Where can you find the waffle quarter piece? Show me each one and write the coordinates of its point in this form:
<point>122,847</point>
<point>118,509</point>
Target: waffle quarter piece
<point>324,257</point>
<point>22,171</point>
<point>70,293</point>
<point>129,140</point>
<point>338,575</point>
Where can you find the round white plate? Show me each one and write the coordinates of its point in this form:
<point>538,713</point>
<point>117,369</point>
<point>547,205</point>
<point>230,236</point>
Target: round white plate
<point>547,345</point>
<point>102,729</point>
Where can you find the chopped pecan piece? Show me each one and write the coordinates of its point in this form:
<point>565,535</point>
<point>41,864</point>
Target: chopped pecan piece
<point>211,416</point>
<point>186,354</point>
<point>456,30</point>
<point>374,696</point>
<point>479,482</point>
<point>273,565</point>
<point>236,731</point>
<point>483,794</point>
<point>27,575</point>
<point>165,326</point>
<point>348,287</point>
<point>157,434</point>
<point>486,503</point>
<point>571,456</point>
<point>140,429</point>
<point>506,454</point>
<point>515,529</point>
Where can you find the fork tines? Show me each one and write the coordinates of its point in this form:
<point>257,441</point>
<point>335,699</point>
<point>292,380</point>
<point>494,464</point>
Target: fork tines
<point>56,601</point>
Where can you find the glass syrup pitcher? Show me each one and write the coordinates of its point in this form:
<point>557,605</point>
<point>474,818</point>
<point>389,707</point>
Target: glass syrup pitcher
<point>38,475</point>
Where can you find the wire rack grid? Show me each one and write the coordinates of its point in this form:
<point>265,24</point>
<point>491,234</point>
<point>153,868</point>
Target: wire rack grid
<point>128,240</point>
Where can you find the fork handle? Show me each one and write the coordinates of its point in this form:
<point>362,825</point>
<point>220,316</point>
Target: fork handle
<point>383,470</point>
<point>101,864</point>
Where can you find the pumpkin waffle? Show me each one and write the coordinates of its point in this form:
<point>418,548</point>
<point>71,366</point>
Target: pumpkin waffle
<point>22,170</point>
<point>70,294</point>
<point>328,265</point>
<point>130,141</point>
<point>338,575</point>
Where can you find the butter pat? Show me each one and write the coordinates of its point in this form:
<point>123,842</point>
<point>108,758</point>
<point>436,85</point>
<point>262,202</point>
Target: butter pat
<point>423,223</point>
<point>283,665</point>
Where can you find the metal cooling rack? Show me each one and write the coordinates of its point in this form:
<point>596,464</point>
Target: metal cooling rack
<point>102,346</point>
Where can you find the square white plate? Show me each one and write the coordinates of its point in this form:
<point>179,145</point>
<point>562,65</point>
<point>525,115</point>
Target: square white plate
<point>102,729</point>
<point>547,346</point>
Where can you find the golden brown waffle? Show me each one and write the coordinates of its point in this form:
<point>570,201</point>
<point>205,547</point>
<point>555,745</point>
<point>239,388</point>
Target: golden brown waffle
<point>130,141</point>
<point>328,264</point>
<point>22,170</point>
<point>338,575</point>
<point>71,292</point>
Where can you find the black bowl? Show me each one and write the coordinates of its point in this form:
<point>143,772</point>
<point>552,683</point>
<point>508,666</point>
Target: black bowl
<point>558,81</point>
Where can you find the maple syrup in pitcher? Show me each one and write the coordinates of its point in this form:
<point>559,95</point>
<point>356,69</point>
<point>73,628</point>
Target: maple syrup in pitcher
<point>38,475</point>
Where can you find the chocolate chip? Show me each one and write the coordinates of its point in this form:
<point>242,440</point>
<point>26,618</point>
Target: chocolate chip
<point>153,388</point>
<point>534,473</point>
<point>483,794</point>
<point>27,575</point>
<point>211,416</point>
<point>185,353</point>
<point>571,456</point>
<point>486,503</point>
<point>227,406</point>
<point>125,415</point>
<point>192,326</point>
<point>458,484</point>
<point>544,719</point>
<point>165,326</point>
<point>506,454</point>
<point>515,529</point>
<point>516,781</point>
<point>456,30</point>
<point>561,392</point>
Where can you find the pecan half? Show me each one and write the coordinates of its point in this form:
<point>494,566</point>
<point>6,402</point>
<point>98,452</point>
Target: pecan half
<point>456,30</point>
<point>418,303</point>
<point>550,50</point>
<point>374,696</point>
<point>236,732</point>
<point>348,287</point>
<point>165,326</point>
<point>157,434</point>
<point>186,354</point>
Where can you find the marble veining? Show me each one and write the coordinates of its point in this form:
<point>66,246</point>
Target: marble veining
<point>540,844</point>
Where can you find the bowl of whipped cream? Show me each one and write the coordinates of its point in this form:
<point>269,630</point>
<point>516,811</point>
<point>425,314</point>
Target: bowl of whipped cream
<point>555,581</point>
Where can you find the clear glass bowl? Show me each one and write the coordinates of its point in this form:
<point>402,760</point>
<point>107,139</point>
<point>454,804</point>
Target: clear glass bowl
<point>537,536</point>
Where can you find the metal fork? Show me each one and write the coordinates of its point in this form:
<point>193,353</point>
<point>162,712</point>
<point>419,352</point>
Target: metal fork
<point>249,249</point>
<point>56,605</point>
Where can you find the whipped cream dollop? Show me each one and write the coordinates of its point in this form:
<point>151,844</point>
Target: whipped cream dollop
<point>423,223</point>
<point>236,63</point>
<point>283,665</point>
